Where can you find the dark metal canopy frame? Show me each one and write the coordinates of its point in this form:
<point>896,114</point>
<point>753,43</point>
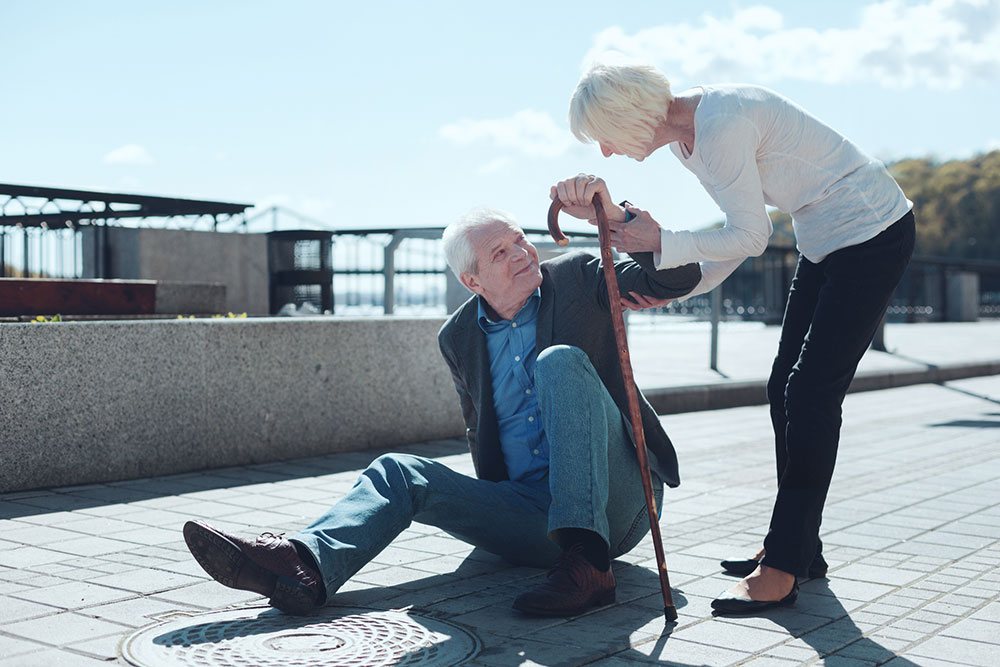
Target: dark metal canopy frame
<point>30,206</point>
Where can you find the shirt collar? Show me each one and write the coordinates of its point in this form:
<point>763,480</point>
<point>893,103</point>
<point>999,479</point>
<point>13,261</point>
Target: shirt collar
<point>527,313</point>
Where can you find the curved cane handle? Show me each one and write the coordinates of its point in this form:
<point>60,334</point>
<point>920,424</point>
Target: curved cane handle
<point>554,209</point>
<point>554,230</point>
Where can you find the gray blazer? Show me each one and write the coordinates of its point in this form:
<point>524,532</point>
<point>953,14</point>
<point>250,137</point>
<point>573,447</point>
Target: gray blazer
<point>573,311</point>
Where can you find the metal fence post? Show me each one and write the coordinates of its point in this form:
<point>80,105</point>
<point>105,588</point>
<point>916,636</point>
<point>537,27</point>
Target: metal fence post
<point>389,272</point>
<point>713,355</point>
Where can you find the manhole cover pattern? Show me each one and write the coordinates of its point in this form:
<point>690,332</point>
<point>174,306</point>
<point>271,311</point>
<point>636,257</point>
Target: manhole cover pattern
<point>263,637</point>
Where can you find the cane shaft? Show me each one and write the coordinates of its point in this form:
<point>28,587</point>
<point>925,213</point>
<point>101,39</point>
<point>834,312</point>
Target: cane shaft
<point>631,393</point>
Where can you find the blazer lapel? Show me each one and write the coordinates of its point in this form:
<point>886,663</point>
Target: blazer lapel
<point>472,342</point>
<point>544,323</point>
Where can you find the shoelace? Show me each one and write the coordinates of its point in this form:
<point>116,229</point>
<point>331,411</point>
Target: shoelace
<point>568,561</point>
<point>269,538</point>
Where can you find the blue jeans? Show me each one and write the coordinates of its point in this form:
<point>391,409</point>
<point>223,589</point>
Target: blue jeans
<point>588,449</point>
<point>833,310</point>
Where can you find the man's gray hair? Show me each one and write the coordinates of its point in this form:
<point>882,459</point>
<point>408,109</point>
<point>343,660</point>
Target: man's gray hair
<point>621,104</point>
<point>458,248</point>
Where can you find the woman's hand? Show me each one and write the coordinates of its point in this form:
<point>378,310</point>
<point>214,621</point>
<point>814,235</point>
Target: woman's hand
<point>577,194</point>
<point>641,302</point>
<point>640,234</point>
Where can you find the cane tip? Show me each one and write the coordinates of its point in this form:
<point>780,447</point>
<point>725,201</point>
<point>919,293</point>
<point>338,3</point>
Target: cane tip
<point>562,242</point>
<point>670,613</point>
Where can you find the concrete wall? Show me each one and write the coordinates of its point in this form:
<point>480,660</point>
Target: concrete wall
<point>238,261</point>
<point>86,402</point>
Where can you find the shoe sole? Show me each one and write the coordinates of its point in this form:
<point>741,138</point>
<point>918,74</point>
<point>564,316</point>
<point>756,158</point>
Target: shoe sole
<point>753,606</point>
<point>602,600</point>
<point>224,561</point>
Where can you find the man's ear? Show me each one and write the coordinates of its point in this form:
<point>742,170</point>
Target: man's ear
<point>471,282</point>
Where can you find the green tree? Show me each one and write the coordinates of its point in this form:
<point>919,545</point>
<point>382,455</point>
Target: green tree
<point>957,204</point>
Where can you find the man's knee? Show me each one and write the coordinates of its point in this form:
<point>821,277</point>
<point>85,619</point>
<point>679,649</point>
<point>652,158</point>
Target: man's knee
<point>396,469</point>
<point>558,362</point>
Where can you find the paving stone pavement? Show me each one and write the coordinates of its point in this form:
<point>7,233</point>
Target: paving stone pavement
<point>911,528</point>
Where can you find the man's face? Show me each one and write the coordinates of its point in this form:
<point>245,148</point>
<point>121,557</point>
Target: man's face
<point>508,267</point>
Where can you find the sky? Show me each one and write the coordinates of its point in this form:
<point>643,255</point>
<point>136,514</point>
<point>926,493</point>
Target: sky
<point>386,114</point>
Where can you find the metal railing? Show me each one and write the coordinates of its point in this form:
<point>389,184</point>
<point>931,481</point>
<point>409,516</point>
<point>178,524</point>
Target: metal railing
<point>40,252</point>
<point>404,271</point>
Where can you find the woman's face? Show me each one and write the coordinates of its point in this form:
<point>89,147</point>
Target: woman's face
<point>608,149</point>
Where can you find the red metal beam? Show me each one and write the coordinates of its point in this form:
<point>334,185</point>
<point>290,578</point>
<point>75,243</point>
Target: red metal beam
<point>42,296</point>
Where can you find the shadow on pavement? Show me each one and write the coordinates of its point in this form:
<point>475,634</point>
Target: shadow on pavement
<point>479,603</point>
<point>969,423</point>
<point>83,497</point>
<point>966,392</point>
<point>840,636</point>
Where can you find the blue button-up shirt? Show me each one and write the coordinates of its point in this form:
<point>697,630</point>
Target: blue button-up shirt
<point>511,346</point>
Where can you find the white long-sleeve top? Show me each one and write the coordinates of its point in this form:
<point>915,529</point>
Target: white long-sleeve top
<point>754,147</point>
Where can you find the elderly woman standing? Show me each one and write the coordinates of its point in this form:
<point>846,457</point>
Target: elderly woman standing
<point>854,230</point>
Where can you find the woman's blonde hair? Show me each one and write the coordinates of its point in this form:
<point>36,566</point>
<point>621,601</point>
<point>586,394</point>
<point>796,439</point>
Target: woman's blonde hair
<point>621,105</point>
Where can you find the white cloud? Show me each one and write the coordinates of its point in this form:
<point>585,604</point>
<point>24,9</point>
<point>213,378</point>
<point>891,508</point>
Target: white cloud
<point>940,44</point>
<point>129,154</point>
<point>493,166</point>
<point>529,132</point>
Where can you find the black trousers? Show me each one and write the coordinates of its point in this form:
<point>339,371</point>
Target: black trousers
<point>833,310</point>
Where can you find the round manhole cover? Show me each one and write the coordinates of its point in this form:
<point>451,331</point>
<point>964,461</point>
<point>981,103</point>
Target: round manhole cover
<point>263,637</point>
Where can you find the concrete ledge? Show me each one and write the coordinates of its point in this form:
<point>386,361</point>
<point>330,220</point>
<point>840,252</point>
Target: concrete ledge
<point>187,298</point>
<point>721,395</point>
<point>84,402</point>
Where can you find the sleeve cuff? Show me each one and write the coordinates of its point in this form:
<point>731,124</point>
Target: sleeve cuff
<point>673,250</point>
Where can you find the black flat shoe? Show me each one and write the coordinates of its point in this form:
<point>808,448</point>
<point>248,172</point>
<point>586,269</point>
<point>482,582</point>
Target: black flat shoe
<point>741,567</point>
<point>730,604</point>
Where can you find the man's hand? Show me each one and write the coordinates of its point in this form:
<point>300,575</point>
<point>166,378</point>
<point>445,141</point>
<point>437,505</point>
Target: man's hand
<point>640,234</point>
<point>577,194</point>
<point>641,302</point>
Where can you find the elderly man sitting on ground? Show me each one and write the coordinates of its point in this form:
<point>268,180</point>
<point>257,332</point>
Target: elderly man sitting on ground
<point>557,483</point>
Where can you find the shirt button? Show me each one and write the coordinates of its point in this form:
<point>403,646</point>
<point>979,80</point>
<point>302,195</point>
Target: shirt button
<point>513,324</point>
<point>517,358</point>
<point>527,391</point>
<point>535,452</point>
<point>531,419</point>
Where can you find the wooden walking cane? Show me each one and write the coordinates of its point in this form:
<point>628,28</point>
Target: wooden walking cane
<point>604,236</point>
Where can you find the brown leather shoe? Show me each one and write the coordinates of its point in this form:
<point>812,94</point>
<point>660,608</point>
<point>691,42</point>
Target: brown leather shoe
<point>573,586</point>
<point>269,566</point>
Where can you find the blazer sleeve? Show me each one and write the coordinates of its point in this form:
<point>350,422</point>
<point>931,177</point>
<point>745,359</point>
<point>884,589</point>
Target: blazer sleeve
<point>639,274</point>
